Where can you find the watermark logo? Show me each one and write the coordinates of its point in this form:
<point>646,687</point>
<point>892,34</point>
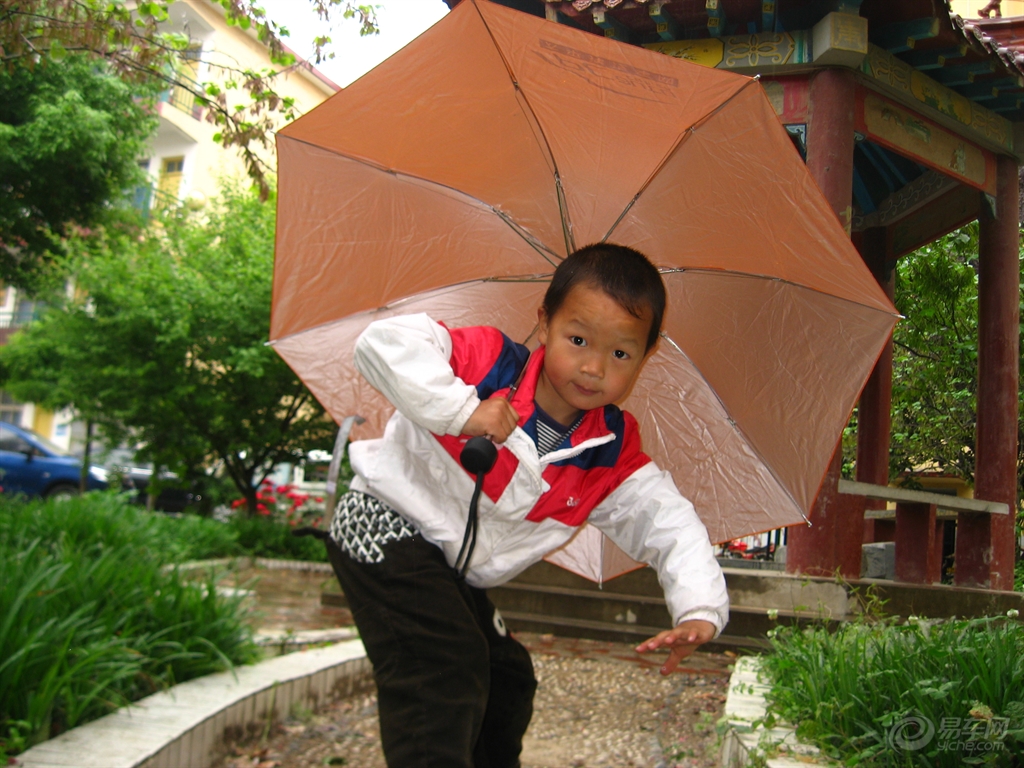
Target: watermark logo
<point>951,734</point>
<point>911,733</point>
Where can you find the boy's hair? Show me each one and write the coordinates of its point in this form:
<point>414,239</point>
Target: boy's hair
<point>622,272</point>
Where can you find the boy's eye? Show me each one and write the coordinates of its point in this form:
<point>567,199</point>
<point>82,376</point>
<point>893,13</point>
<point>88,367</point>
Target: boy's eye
<point>620,355</point>
<point>579,341</point>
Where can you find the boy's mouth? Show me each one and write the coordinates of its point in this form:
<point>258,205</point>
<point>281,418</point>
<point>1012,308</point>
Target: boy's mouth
<point>584,391</point>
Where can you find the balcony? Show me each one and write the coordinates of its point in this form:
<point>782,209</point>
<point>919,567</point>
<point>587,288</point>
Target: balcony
<point>184,99</point>
<point>11,320</point>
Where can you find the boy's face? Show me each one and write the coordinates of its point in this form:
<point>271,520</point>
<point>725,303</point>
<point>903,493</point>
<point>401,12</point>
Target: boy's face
<point>595,349</point>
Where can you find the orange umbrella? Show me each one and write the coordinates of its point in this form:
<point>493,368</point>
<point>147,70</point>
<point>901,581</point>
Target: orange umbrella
<point>453,178</point>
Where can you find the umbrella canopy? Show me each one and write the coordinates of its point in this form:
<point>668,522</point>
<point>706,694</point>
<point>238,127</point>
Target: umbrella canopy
<point>453,178</point>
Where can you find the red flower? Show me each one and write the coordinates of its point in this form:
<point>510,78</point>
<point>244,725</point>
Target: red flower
<point>319,499</point>
<point>237,503</point>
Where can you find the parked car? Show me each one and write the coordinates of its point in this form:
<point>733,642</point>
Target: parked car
<point>136,477</point>
<point>32,465</point>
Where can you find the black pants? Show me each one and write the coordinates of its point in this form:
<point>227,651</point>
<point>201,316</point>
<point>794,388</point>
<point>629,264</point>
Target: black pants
<point>454,689</point>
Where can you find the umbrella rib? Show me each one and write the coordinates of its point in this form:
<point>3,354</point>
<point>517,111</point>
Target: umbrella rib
<point>774,279</point>
<point>563,209</point>
<point>735,426</point>
<point>675,148</point>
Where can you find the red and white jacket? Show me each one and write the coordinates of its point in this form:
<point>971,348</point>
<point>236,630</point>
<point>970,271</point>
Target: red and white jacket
<point>436,378</point>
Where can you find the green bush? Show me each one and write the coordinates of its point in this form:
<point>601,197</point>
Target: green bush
<point>89,619</point>
<point>266,537</point>
<point>924,693</point>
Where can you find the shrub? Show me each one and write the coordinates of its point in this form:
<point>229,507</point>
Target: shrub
<point>266,537</point>
<point>925,693</point>
<point>280,509</point>
<point>89,620</point>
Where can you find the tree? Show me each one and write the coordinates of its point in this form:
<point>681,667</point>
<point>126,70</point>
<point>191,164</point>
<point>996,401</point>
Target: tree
<point>70,138</point>
<point>935,360</point>
<point>164,345</point>
<point>54,113</point>
<point>132,39</point>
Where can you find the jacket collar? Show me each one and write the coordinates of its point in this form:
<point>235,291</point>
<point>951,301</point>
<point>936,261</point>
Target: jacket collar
<point>593,429</point>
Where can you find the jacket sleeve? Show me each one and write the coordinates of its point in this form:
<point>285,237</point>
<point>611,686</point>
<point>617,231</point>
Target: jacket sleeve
<point>652,522</point>
<point>406,359</point>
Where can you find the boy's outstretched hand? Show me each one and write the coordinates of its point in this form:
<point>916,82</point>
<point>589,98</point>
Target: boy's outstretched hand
<point>681,642</point>
<point>494,418</point>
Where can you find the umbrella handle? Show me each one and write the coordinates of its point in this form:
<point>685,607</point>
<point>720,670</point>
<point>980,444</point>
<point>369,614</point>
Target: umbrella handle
<point>339,451</point>
<point>478,456</point>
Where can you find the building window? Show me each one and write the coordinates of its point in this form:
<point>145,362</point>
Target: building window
<point>169,183</point>
<point>10,409</point>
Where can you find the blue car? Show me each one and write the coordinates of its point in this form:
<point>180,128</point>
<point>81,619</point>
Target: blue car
<point>32,465</point>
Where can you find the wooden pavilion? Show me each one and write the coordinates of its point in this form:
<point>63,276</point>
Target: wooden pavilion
<point>912,121</point>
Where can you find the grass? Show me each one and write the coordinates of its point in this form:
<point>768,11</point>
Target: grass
<point>89,619</point>
<point>872,692</point>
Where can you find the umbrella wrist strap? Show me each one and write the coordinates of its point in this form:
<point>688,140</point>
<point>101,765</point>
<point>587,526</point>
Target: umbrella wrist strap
<point>469,537</point>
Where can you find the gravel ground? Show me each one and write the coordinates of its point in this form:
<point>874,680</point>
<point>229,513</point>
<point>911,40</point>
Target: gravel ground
<point>598,705</point>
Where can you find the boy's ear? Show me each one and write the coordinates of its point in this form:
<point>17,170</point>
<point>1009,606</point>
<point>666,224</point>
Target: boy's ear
<point>542,325</point>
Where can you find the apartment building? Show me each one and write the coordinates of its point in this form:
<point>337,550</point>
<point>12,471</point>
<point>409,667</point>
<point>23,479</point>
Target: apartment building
<point>184,164</point>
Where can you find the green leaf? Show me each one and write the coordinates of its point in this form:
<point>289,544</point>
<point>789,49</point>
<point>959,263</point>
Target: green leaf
<point>57,50</point>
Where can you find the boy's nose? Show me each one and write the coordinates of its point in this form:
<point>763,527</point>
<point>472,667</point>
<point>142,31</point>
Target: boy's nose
<point>593,366</point>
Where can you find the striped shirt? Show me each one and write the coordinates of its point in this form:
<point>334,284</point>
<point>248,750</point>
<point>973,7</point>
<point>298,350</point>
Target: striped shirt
<point>551,433</point>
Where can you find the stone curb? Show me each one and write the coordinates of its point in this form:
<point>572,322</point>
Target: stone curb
<point>269,563</point>
<point>276,642</point>
<point>744,743</point>
<point>188,725</point>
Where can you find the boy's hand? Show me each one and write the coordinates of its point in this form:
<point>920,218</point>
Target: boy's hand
<point>494,418</point>
<point>682,641</point>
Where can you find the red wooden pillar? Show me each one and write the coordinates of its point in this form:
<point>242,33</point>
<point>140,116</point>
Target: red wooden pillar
<point>833,540</point>
<point>984,543</point>
<point>918,558</point>
<point>874,418</point>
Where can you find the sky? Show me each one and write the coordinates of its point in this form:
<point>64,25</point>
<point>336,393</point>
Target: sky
<point>969,8</point>
<point>399,20</point>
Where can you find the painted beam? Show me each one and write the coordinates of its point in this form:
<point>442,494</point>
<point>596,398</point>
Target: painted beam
<point>903,36</point>
<point>947,212</point>
<point>913,87</point>
<point>612,27</point>
<point>716,17</point>
<point>1009,103</point>
<point>962,74</point>
<point>767,15</point>
<point>925,60</point>
<point>905,201</point>
<point>664,24</point>
<point>990,89</point>
<point>741,51</point>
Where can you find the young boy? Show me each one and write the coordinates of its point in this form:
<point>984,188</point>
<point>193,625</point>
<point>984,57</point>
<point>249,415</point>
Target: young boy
<point>454,688</point>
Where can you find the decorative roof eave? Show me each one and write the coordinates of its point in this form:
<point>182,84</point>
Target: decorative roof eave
<point>978,34</point>
<point>972,61</point>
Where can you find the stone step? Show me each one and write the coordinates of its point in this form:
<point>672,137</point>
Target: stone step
<point>613,632</point>
<point>615,616</point>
